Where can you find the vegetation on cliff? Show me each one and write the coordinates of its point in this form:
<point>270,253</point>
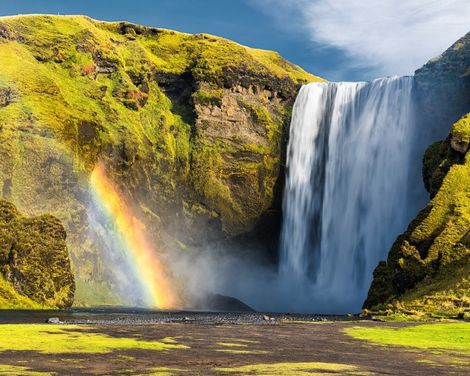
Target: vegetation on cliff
<point>191,127</point>
<point>427,272</point>
<point>428,269</point>
<point>34,262</point>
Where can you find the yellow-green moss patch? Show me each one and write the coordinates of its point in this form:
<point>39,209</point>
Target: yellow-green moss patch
<point>451,337</point>
<point>228,344</point>
<point>21,371</point>
<point>297,369</point>
<point>242,352</point>
<point>49,339</point>
<point>164,371</point>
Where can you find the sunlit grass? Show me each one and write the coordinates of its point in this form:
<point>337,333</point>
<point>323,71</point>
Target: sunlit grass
<point>297,369</point>
<point>453,337</point>
<point>228,344</point>
<point>164,371</point>
<point>23,371</point>
<point>242,352</point>
<point>49,339</point>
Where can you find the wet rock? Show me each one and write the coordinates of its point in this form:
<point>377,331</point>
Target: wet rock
<point>53,320</point>
<point>268,318</point>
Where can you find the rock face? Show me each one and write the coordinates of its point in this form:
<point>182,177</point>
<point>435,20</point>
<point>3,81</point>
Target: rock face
<point>444,86</point>
<point>428,268</point>
<point>190,127</point>
<point>34,261</point>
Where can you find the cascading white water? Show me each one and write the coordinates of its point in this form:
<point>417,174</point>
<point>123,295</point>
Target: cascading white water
<point>346,196</point>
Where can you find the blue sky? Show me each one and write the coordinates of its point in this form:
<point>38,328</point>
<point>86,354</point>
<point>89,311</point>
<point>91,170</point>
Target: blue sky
<point>358,40</point>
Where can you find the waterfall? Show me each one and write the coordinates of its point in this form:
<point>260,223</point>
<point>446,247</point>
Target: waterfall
<point>347,193</point>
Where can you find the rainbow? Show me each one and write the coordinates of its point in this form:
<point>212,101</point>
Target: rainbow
<point>132,235</point>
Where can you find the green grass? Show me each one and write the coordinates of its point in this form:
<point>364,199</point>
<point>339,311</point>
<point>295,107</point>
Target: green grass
<point>297,369</point>
<point>229,344</point>
<point>242,352</point>
<point>163,371</point>
<point>21,371</point>
<point>50,339</point>
<point>450,337</point>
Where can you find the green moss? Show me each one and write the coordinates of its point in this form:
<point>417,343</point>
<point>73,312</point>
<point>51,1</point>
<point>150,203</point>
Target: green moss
<point>208,96</point>
<point>23,371</point>
<point>164,371</point>
<point>449,337</point>
<point>49,339</point>
<point>461,129</point>
<point>426,274</point>
<point>11,299</point>
<point>34,261</point>
<point>229,344</point>
<point>298,369</point>
<point>242,352</point>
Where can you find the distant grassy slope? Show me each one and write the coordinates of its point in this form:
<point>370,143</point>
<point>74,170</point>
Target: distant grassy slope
<point>191,128</point>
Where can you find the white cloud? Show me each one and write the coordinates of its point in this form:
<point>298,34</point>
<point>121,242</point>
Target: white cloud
<point>387,36</point>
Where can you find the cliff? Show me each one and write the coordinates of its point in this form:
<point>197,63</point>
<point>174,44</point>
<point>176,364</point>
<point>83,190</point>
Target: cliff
<point>428,268</point>
<point>191,128</point>
<point>34,261</point>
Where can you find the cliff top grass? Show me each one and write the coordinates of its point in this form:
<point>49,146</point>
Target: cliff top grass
<point>169,50</point>
<point>91,83</point>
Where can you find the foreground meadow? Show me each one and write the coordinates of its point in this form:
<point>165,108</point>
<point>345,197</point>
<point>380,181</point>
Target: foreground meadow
<point>294,348</point>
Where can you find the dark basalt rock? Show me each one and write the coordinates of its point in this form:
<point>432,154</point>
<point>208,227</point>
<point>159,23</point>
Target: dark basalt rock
<point>285,88</point>
<point>222,303</point>
<point>7,96</point>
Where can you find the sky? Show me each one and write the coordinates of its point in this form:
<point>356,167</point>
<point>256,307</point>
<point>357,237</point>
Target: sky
<point>340,40</point>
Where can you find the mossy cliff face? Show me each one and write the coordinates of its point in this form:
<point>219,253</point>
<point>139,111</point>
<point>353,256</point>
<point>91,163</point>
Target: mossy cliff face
<point>190,127</point>
<point>34,261</point>
<point>428,267</point>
